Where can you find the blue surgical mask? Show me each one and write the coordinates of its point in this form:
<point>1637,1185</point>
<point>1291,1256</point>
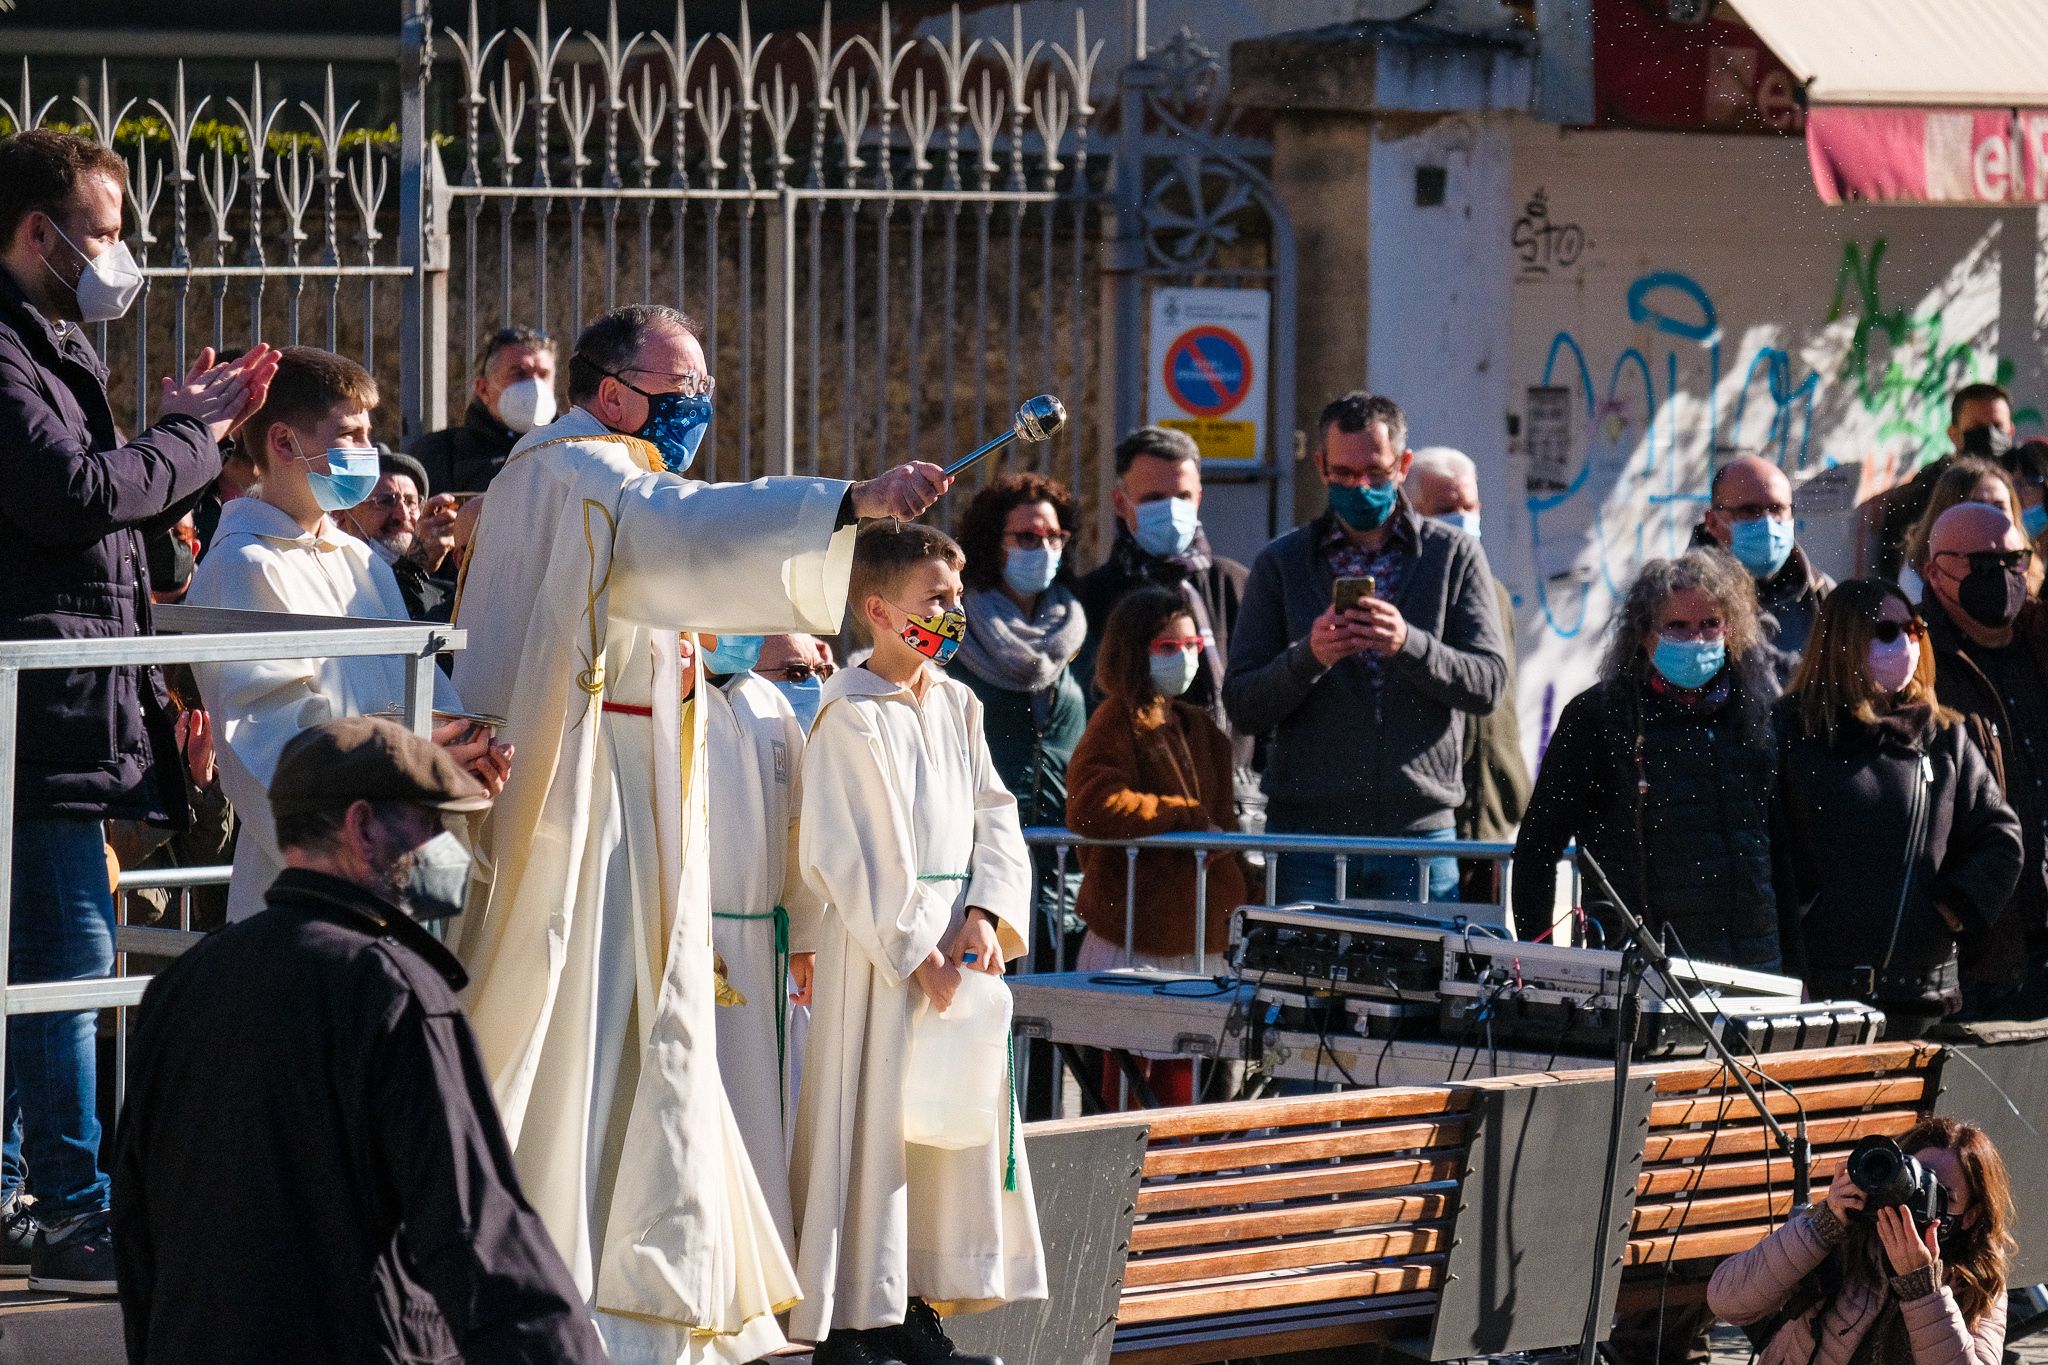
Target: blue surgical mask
<point>803,698</point>
<point>1174,673</point>
<point>1366,506</point>
<point>1468,522</point>
<point>1031,572</point>
<point>1690,664</point>
<point>351,475</point>
<point>2034,520</point>
<point>1167,526</point>
<point>1761,544</point>
<point>735,654</point>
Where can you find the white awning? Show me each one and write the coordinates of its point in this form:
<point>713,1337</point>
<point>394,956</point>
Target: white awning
<point>1982,54</point>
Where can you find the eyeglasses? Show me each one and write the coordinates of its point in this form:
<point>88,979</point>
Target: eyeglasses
<point>688,385</point>
<point>1987,561</point>
<point>1166,649</point>
<point>384,502</point>
<point>1750,511</point>
<point>797,671</point>
<point>1887,631</point>
<point>1354,478</point>
<point>1031,540</point>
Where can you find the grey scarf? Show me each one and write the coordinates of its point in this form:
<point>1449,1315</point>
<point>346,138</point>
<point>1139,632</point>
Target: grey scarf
<point>1016,653</point>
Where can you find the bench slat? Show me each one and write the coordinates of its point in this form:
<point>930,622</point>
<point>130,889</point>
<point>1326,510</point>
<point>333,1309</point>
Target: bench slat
<point>1280,1331</point>
<point>1861,1094</point>
<point>1738,1208</point>
<point>1735,1175</point>
<point>1246,1153</point>
<point>1152,1271</point>
<point>1662,1147</point>
<point>1694,1246</point>
<point>1231,1191</point>
<point>1788,1067</point>
<point>1270,1291</point>
<point>1161,1234</point>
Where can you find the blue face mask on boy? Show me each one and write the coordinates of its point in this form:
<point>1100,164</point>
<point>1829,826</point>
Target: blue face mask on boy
<point>735,654</point>
<point>351,475</point>
<point>1689,664</point>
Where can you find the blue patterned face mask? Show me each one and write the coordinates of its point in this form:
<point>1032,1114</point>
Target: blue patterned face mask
<point>675,425</point>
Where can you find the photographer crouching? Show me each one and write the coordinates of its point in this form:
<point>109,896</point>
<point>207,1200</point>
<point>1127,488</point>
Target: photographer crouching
<point>1904,1261</point>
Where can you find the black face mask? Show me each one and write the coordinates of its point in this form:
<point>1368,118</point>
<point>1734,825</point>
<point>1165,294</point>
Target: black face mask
<point>1993,596</point>
<point>1986,441</point>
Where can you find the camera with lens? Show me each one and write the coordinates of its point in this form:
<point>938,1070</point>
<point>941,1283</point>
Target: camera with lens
<point>1890,1178</point>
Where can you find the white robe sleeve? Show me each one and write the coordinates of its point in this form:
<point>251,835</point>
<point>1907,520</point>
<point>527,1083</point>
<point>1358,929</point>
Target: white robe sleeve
<point>999,872</point>
<point>755,558</point>
<point>258,706</point>
<point>806,910</point>
<point>855,846</point>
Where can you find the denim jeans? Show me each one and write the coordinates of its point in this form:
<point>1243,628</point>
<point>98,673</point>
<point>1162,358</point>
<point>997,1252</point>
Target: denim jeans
<point>63,930</point>
<point>1313,876</point>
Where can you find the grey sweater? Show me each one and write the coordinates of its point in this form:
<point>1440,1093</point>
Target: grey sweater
<point>1346,758</point>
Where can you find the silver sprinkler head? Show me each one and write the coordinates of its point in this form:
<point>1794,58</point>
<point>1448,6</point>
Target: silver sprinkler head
<point>1039,418</point>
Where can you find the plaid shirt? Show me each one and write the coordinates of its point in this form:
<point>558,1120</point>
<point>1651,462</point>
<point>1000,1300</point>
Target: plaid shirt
<point>1386,566</point>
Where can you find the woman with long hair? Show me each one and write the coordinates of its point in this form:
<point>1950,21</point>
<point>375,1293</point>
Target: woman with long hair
<point>1664,772</point>
<point>1898,846</point>
<point>1844,1284</point>
<point>1152,763</point>
<point>1968,478</point>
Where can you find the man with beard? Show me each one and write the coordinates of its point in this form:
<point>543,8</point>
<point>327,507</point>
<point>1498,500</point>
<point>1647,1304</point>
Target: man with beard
<point>410,531</point>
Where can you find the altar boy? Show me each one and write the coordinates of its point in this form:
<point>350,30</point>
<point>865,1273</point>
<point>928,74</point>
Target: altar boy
<point>911,841</point>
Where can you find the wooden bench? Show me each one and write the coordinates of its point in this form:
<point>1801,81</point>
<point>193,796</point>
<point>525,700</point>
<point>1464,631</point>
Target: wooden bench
<point>1274,1226</point>
<point>1713,1182</point>
<point>1271,1227</point>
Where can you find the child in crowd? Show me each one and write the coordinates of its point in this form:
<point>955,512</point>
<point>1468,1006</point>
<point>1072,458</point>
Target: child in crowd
<point>759,903</point>
<point>279,550</point>
<point>912,842</point>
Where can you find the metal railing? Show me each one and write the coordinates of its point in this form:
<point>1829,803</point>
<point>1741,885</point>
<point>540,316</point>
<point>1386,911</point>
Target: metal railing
<point>188,635</point>
<point>1275,846</point>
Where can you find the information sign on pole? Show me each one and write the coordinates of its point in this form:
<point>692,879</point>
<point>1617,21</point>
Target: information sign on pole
<point>1208,365</point>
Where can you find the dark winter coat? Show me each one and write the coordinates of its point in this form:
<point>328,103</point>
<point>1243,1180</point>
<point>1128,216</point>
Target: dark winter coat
<point>309,1165</point>
<point>464,459</point>
<point>1347,757</point>
<point>93,743</point>
<point>1674,803</point>
<point>1867,891</point>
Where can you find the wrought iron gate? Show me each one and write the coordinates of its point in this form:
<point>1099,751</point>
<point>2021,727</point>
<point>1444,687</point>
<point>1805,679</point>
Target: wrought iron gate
<point>888,242</point>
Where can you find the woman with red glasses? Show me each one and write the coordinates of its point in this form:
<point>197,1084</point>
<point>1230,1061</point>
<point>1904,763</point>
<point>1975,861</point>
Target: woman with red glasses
<point>1899,850</point>
<point>1151,763</point>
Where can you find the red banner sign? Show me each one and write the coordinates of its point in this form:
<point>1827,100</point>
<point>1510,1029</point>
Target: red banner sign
<point>1929,156</point>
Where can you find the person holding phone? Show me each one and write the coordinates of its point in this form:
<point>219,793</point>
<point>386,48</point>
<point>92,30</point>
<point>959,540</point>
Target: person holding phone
<point>1366,641</point>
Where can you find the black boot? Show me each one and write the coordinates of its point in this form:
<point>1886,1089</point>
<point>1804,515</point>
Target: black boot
<point>844,1347</point>
<point>920,1342</point>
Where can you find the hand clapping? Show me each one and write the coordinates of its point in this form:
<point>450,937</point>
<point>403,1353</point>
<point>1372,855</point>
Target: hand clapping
<point>220,396</point>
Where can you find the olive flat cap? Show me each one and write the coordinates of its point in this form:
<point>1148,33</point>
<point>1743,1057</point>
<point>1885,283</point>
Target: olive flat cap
<point>368,758</point>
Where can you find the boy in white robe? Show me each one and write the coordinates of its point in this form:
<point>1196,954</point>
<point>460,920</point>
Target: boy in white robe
<point>278,549</point>
<point>760,903</point>
<point>911,841</point>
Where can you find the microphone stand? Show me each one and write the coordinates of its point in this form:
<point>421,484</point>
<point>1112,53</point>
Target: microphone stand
<point>1644,951</point>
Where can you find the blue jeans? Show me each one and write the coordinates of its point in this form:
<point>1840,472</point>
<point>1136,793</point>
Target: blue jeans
<point>1313,876</point>
<point>63,930</point>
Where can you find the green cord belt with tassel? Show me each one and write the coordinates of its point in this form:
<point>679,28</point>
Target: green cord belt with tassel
<point>780,917</point>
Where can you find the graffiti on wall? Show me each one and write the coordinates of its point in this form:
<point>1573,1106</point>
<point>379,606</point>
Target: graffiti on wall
<point>1654,421</point>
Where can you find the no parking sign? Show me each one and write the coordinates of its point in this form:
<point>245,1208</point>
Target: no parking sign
<point>1208,366</point>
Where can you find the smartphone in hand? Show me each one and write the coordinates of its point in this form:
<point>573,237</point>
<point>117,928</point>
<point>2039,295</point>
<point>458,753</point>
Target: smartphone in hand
<point>1347,593</point>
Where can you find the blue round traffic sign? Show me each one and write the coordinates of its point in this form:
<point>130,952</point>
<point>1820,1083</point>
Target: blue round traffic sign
<point>1208,371</point>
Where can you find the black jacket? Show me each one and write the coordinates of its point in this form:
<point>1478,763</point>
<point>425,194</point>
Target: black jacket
<point>309,1166</point>
<point>1347,757</point>
<point>94,743</point>
<point>1676,806</point>
<point>1220,585</point>
<point>1962,685</point>
<point>1865,888</point>
<point>465,459</point>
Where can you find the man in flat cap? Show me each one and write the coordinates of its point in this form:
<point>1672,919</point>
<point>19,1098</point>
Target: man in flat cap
<point>309,1166</point>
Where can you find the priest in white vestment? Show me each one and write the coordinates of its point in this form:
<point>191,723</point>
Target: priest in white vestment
<point>590,951</point>
<point>760,905</point>
<point>278,549</point>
